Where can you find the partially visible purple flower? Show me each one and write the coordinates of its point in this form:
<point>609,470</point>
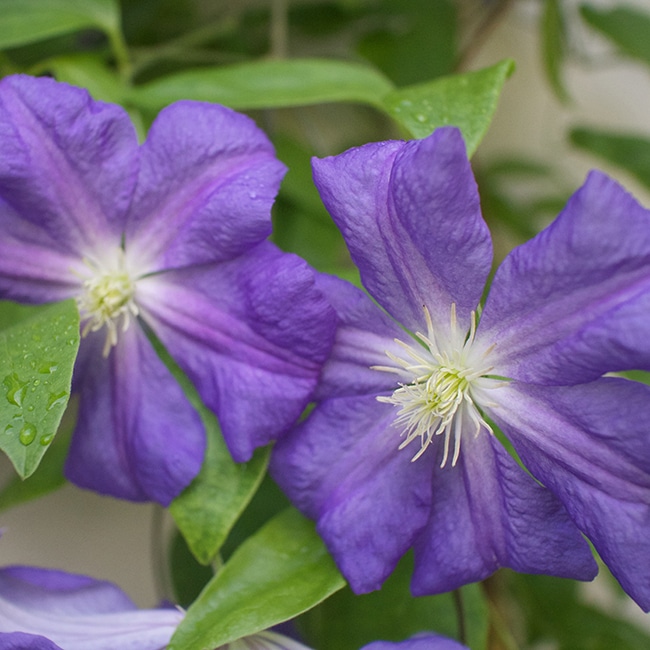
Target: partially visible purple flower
<point>45,609</point>
<point>170,234</point>
<point>399,451</point>
<point>418,642</point>
<point>273,641</point>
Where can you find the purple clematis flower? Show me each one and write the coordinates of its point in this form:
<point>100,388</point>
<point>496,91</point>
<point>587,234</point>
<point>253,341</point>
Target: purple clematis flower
<point>46,609</point>
<point>400,451</point>
<point>170,234</point>
<point>419,642</point>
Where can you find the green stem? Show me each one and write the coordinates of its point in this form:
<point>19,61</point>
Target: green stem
<point>460,615</point>
<point>159,558</point>
<point>120,52</point>
<point>279,29</point>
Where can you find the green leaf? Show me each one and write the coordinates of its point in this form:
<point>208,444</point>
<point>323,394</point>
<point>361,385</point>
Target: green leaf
<point>36,360</point>
<point>347,622</point>
<point>208,508</point>
<point>268,84</point>
<point>47,478</point>
<point>631,152</point>
<point>26,21</point>
<point>275,575</point>
<point>467,101</point>
<point>188,576</point>
<point>627,27</point>
<point>554,610</point>
<point>413,40</point>
<point>90,72</point>
<point>554,45</point>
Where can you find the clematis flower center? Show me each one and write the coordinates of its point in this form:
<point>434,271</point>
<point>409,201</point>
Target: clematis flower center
<point>447,378</point>
<point>108,297</point>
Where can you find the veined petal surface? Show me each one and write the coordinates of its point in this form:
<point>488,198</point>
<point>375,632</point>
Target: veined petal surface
<point>33,267</point>
<point>137,436</point>
<point>208,179</point>
<point>251,334</point>
<point>589,444</point>
<point>573,303</point>
<point>363,336</point>
<point>410,215</point>
<point>487,513</point>
<point>68,168</point>
<point>76,613</point>
<point>342,467</point>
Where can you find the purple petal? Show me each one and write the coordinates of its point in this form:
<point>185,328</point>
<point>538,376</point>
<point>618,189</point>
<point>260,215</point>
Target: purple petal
<point>363,336</point>
<point>342,467</point>
<point>410,214</point>
<point>207,181</point>
<point>589,445</point>
<point>137,436</point>
<point>76,613</point>
<point>573,303</point>
<point>22,641</point>
<point>419,642</point>
<point>251,334</point>
<point>33,267</point>
<point>488,513</point>
<point>68,167</point>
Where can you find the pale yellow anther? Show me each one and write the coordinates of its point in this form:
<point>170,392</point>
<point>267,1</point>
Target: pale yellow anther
<point>107,297</point>
<point>446,372</point>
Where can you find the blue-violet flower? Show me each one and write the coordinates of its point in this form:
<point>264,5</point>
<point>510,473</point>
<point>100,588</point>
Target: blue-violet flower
<point>47,609</point>
<point>401,450</point>
<point>170,234</point>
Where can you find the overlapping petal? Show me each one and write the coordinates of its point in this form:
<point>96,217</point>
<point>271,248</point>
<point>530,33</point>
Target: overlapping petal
<point>589,445</point>
<point>68,165</point>
<point>342,467</point>
<point>251,334</point>
<point>487,512</point>
<point>573,303</point>
<point>33,268</point>
<point>410,215</point>
<point>137,436</point>
<point>46,609</point>
<point>208,178</point>
<point>363,336</point>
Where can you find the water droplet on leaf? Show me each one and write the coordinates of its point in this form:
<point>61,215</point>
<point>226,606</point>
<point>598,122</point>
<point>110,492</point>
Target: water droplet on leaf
<point>46,439</point>
<point>56,399</point>
<point>16,389</point>
<point>27,434</point>
<point>47,368</point>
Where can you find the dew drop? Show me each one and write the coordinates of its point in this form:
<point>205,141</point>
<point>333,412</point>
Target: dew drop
<point>27,434</point>
<point>16,389</point>
<point>46,439</point>
<point>9,429</point>
<point>30,408</point>
<point>47,368</point>
<point>56,399</point>
<point>421,117</point>
<point>36,382</point>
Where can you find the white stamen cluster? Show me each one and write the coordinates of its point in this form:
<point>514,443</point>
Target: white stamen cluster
<point>108,296</point>
<point>448,373</point>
